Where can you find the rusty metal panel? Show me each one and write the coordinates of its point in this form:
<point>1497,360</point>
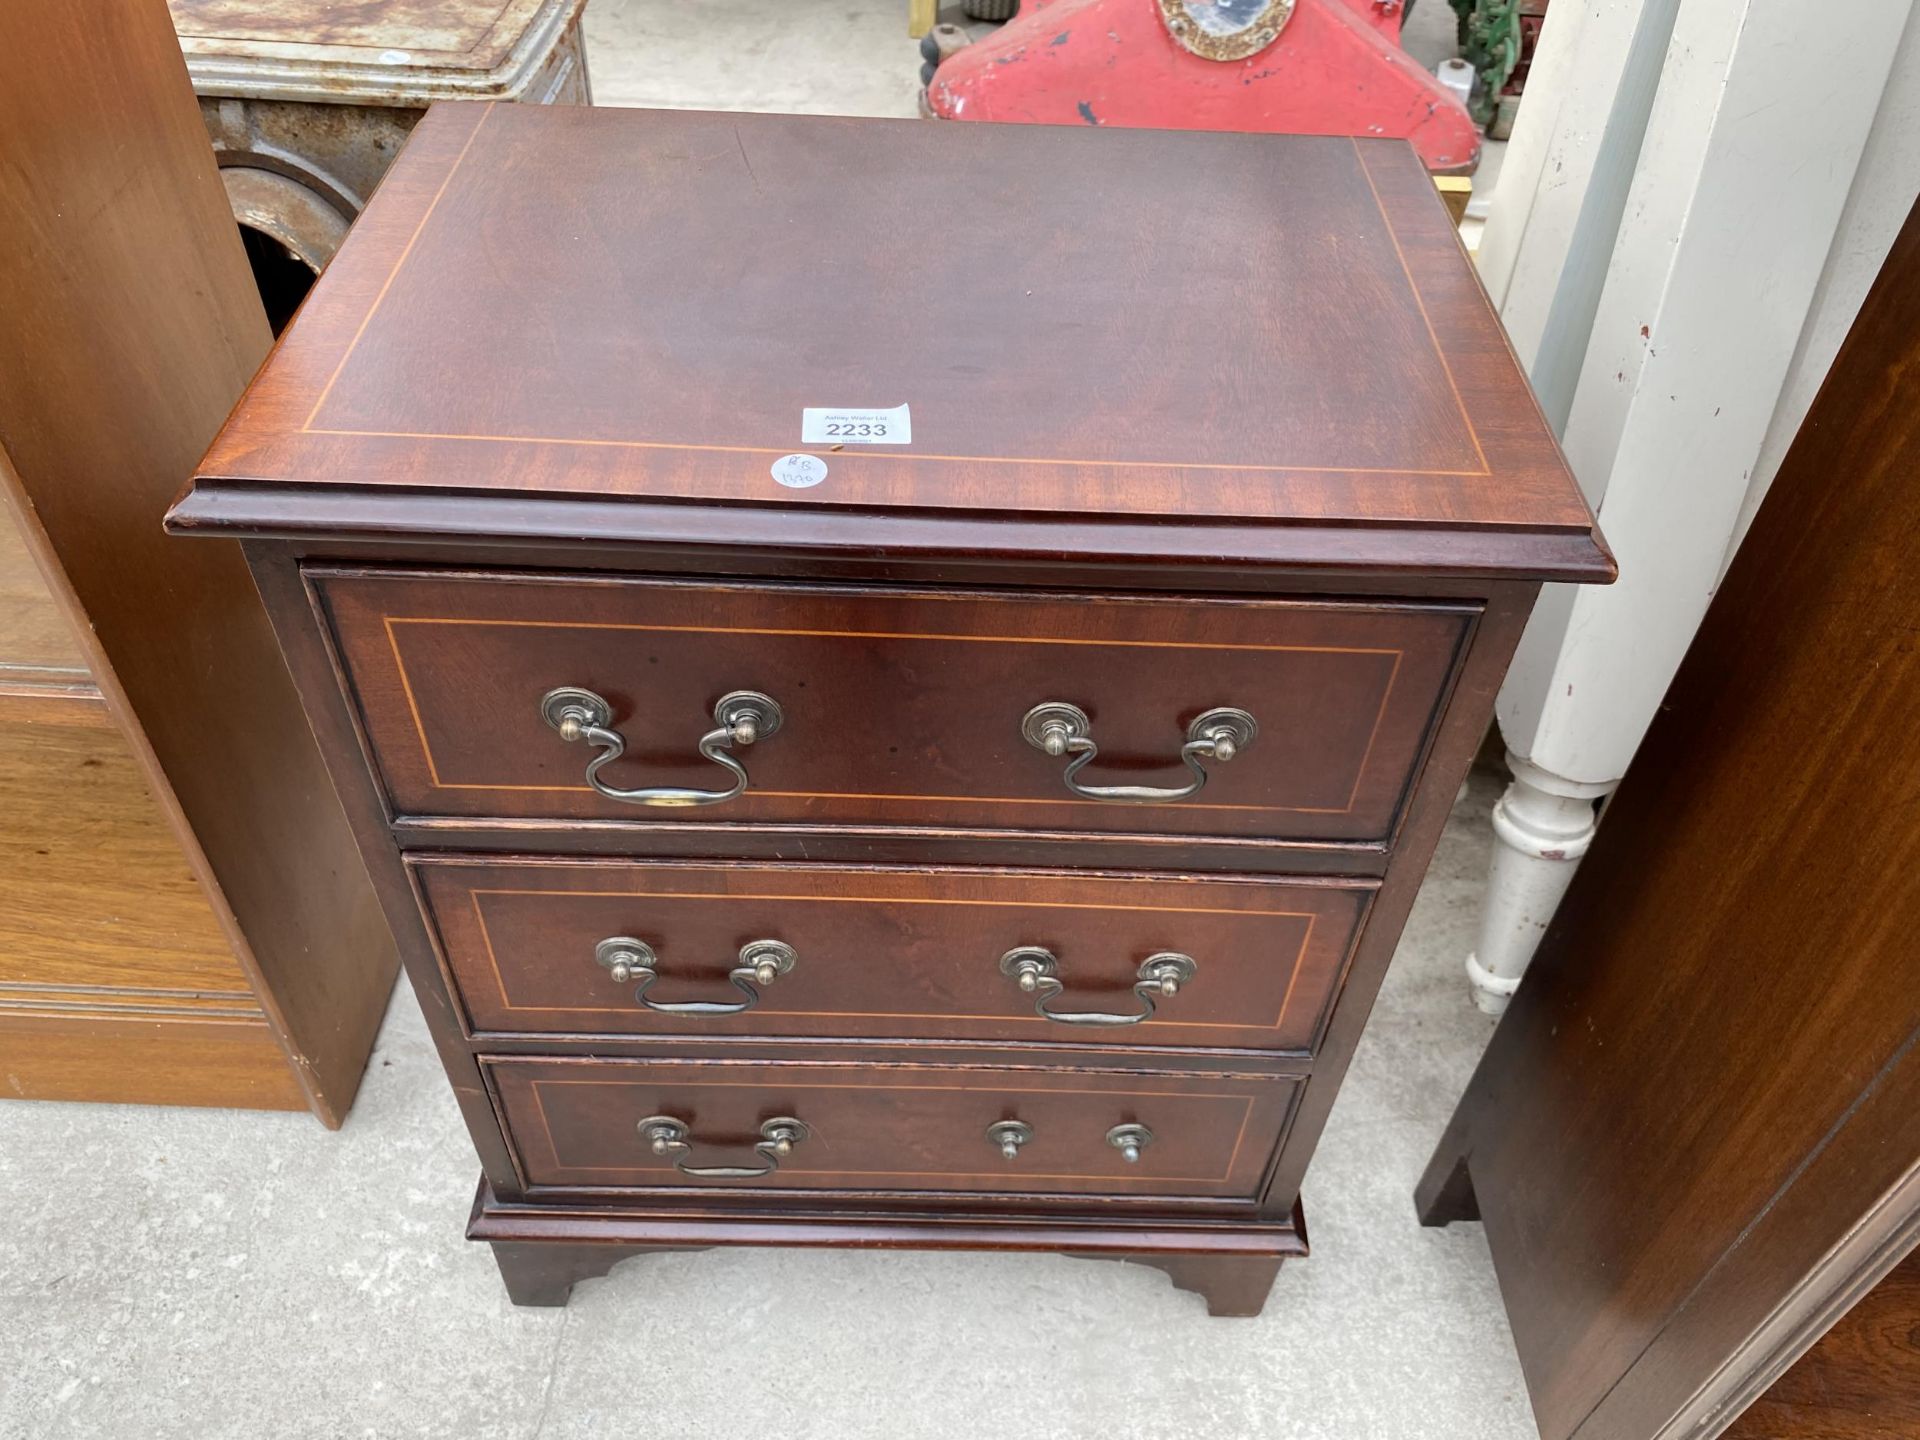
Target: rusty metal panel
<point>307,103</point>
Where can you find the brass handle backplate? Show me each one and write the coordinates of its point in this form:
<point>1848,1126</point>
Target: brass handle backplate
<point>1130,1140</point>
<point>1035,970</point>
<point>761,962</point>
<point>667,1136</point>
<point>741,718</point>
<point>1056,728</point>
<point>1007,1136</point>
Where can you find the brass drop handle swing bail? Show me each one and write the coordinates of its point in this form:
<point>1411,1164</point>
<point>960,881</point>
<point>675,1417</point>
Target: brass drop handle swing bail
<point>668,1135</point>
<point>760,963</point>
<point>1035,970</point>
<point>1057,729</point>
<point>741,718</point>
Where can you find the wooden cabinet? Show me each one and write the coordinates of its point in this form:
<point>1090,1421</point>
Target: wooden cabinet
<point>1695,1138</point>
<point>184,919</point>
<point>995,838</point>
<point>116,981</point>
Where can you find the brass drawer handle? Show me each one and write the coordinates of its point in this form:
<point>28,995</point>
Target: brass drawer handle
<point>761,961</point>
<point>1130,1140</point>
<point>1161,977</point>
<point>667,1136</point>
<point>743,717</point>
<point>1057,728</point>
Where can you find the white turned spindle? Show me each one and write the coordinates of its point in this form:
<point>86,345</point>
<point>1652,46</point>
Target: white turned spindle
<point>1541,828</point>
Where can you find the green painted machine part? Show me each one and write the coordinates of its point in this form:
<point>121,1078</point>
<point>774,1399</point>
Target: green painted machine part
<point>1497,39</point>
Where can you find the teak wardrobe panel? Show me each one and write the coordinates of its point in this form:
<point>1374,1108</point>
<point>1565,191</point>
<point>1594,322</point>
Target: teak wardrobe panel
<point>133,326</point>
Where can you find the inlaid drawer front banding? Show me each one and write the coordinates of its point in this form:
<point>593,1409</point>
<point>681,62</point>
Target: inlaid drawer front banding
<point>797,1125</point>
<point>615,698</point>
<point>655,948</point>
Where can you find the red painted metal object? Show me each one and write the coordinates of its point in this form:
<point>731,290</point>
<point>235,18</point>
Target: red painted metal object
<point>1334,67</point>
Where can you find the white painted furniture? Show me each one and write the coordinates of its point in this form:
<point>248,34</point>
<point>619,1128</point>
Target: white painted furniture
<point>1694,203</point>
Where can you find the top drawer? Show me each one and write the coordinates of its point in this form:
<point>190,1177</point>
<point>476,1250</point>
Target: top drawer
<point>897,707</point>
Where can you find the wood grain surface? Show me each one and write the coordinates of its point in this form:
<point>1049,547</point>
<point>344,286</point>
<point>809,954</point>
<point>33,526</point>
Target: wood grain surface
<point>99,902</point>
<point>1270,360</point>
<point>454,34</point>
<point>1696,1135</point>
<point>130,1059</point>
<point>37,646</point>
<point>891,954</point>
<point>1860,1381</point>
<point>902,1128</point>
<point>133,325</point>
<point>900,705</point>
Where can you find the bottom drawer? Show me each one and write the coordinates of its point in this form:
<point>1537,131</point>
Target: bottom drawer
<point>645,1124</point>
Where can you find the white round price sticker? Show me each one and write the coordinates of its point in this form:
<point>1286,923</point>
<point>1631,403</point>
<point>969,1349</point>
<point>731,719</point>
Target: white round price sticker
<point>797,472</point>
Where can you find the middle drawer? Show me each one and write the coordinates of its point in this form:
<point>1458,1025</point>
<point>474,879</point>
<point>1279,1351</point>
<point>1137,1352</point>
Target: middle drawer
<point>604,947</point>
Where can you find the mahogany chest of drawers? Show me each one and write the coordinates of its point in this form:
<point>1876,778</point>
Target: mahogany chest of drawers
<point>897,681</point>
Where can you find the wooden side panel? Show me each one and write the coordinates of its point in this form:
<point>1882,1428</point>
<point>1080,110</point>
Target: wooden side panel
<point>133,326</point>
<point>146,1061</point>
<point>116,980</point>
<point>98,898</point>
<point>36,645</point>
<point>1698,1123</point>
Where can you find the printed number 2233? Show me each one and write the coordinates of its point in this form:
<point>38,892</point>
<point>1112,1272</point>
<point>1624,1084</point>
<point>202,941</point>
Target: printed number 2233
<point>827,426</point>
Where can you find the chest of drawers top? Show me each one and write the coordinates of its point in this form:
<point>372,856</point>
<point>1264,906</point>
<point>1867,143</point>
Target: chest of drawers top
<point>1117,346</point>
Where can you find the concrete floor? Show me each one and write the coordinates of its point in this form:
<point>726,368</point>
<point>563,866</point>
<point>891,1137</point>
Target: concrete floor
<point>210,1274</point>
<point>215,1274</point>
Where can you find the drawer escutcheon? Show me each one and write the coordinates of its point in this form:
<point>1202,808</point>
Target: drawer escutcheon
<point>1007,1136</point>
<point>1130,1140</point>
